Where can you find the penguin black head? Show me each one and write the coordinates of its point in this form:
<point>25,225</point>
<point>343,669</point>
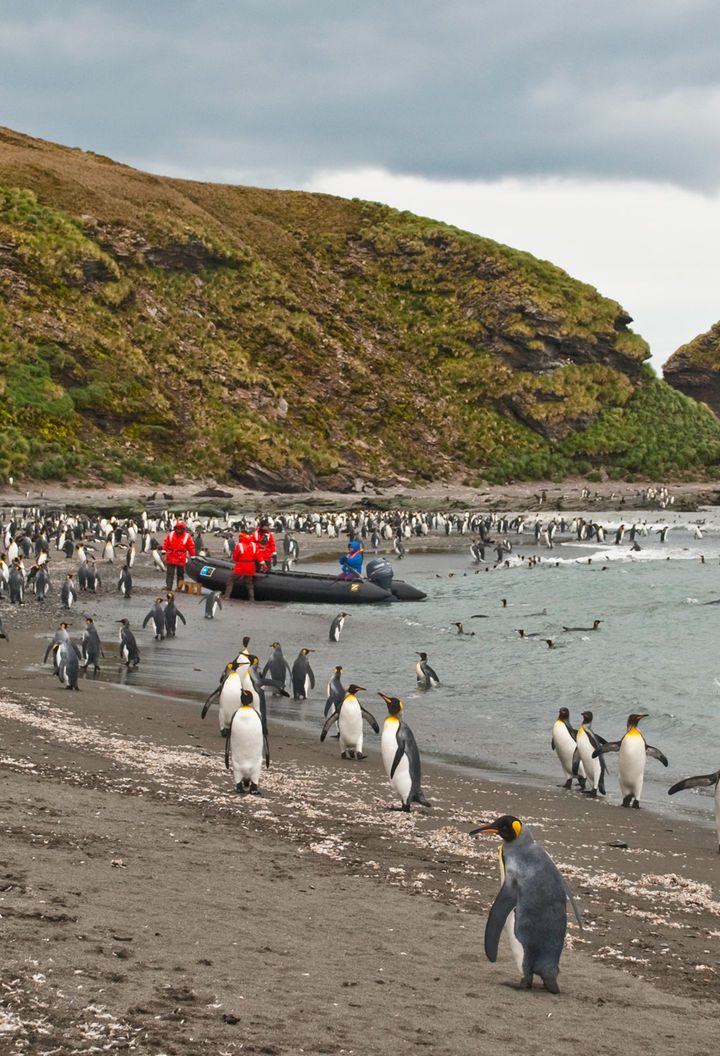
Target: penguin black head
<point>246,642</point>
<point>587,717</point>
<point>169,595</point>
<point>633,720</point>
<point>564,713</point>
<point>88,620</point>
<point>306,651</point>
<point>338,670</point>
<point>508,827</point>
<point>352,688</point>
<point>246,698</point>
<point>423,656</point>
<point>394,705</point>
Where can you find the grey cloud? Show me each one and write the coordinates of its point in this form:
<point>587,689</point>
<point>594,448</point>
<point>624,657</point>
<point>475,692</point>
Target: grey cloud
<point>471,89</point>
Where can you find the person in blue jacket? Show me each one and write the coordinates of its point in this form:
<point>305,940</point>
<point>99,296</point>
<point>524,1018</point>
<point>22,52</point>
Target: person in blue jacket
<point>352,561</point>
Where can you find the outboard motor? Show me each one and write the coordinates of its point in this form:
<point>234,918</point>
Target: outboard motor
<point>380,572</point>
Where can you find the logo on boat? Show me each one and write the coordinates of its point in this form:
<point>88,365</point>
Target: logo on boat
<point>355,586</point>
<point>207,570</point>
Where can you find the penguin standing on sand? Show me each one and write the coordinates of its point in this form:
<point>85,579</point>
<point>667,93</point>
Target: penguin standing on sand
<point>67,663</point>
<point>125,582</point>
<point>246,747</point>
<point>703,781</point>
<point>425,674</point>
<point>564,744</point>
<point>172,615</point>
<point>212,603</point>
<point>336,627</point>
<point>594,766</point>
<point>633,751</point>
<point>91,646</point>
<point>349,717</point>
<point>230,697</point>
<point>277,666</point>
<point>532,901</point>
<point>303,679</point>
<point>157,615</point>
<point>129,651</point>
<point>335,691</point>
<point>401,757</point>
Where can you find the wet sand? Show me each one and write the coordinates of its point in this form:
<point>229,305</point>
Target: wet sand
<point>147,907</point>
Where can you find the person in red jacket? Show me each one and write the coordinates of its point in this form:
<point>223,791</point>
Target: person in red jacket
<point>265,543</point>
<point>178,546</point>
<point>244,570</point>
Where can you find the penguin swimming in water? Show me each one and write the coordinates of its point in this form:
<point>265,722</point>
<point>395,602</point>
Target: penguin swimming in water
<point>633,751</point>
<point>564,744</point>
<point>172,615</point>
<point>532,899</point>
<point>336,627</point>
<point>91,646</point>
<point>425,674</point>
<point>129,651</point>
<point>461,630</point>
<point>401,757</point>
<point>246,747</point>
<point>157,615</point>
<point>595,626</point>
<point>335,691</point>
<point>303,678</point>
<point>594,766</point>
<point>349,717</point>
<point>702,781</point>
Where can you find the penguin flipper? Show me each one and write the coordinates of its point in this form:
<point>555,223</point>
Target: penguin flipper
<point>266,751</point>
<point>328,723</point>
<point>206,706</point>
<point>571,900</point>
<point>181,617</point>
<point>227,742</point>
<point>609,746</point>
<point>311,676</point>
<point>695,782</point>
<point>499,912</point>
<point>370,719</point>
<point>275,685</point>
<point>656,754</point>
<point>147,619</point>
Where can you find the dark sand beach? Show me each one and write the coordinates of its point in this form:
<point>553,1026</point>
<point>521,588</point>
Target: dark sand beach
<point>146,907</point>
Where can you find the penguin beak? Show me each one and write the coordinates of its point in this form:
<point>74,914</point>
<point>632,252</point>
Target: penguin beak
<point>386,699</point>
<point>484,828</point>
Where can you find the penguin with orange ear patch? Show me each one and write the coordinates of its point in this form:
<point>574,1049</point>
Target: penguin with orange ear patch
<point>633,751</point>
<point>531,904</point>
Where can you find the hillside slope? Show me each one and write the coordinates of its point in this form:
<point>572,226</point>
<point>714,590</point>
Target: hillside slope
<point>150,325</point>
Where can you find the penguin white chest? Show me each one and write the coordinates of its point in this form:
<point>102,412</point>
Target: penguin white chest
<point>246,745</point>
<point>592,767</point>
<point>631,764</point>
<point>401,780</point>
<point>350,725</point>
<point>230,699</point>
<point>564,746</point>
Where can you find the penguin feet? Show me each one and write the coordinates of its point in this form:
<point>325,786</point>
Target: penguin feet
<point>568,784</point>
<point>526,982</point>
<point>627,801</point>
<point>225,731</point>
<point>590,792</point>
<point>636,804</point>
<point>550,983</point>
<point>360,755</point>
<point>254,790</point>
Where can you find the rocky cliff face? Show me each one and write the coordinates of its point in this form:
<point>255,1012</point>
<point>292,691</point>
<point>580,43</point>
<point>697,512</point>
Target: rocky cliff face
<point>695,369</point>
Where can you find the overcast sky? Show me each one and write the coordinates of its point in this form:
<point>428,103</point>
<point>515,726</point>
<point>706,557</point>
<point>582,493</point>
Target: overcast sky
<point>585,133</point>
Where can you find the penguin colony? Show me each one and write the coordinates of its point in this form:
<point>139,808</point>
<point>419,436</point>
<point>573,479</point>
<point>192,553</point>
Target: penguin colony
<point>531,904</point>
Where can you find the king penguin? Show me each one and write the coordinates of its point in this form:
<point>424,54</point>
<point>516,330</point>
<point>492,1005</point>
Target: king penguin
<point>594,766</point>
<point>172,614</point>
<point>303,678</point>
<point>426,676</point>
<point>335,691</point>
<point>349,717</point>
<point>401,757</point>
<point>157,615</point>
<point>564,744</point>
<point>531,900</point>
<point>702,781</point>
<point>212,604</point>
<point>91,646</point>
<point>129,651</point>
<point>246,746</point>
<point>336,627</point>
<point>633,751</point>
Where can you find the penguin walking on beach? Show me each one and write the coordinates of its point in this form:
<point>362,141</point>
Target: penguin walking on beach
<point>349,717</point>
<point>401,757</point>
<point>62,634</point>
<point>68,593</point>
<point>41,583</point>
<point>702,781</point>
<point>157,615</point>
<point>336,627</point>
<point>230,697</point>
<point>172,614</point>
<point>67,663</point>
<point>426,676</point>
<point>212,604</point>
<point>125,582</point>
<point>594,766</point>
<point>564,744</point>
<point>16,584</point>
<point>531,902</point>
<point>91,646</point>
<point>303,679</point>
<point>278,667</point>
<point>335,691</point>
<point>633,751</point>
<point>129,651</point>
<point>246,747</point>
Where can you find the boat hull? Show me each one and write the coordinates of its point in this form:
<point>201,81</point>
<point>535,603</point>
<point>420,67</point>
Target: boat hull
<point>299,586</point>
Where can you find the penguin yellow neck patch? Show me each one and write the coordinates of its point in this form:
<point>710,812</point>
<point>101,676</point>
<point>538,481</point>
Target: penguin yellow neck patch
<point>517,827</point>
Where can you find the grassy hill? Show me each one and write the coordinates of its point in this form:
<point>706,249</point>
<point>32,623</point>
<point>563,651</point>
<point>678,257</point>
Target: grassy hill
<point>150,326</point>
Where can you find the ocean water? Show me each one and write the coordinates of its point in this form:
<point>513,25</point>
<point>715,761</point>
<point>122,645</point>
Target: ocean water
<point>656,651</point>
